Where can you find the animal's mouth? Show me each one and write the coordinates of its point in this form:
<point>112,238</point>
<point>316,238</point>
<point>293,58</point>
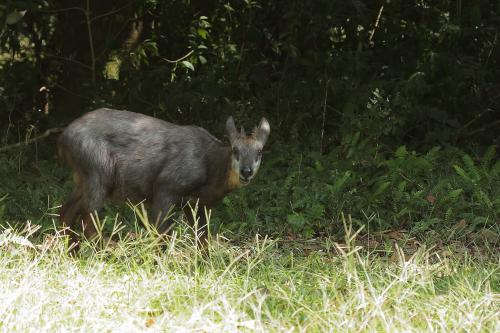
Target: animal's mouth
<point>244,181</point>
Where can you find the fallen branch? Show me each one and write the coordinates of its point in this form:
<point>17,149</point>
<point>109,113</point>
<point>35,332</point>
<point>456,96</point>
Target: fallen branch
<point>35,139</point>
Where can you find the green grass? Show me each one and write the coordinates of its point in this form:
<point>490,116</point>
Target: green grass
<point>144,283</point>
<point>301,280</point>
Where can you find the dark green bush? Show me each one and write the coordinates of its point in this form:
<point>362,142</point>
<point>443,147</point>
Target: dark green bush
<point>305,193</point>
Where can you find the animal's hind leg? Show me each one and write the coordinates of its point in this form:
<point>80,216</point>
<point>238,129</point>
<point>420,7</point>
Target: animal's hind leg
<point>71,209</point>
<point>88,226</point>
<point>94,194</point>
<point>70,212</point>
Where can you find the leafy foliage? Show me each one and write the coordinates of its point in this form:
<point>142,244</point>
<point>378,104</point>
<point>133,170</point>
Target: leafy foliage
<point>402,190</point>
<point>411,73</point>
<point>304,193</point>
<point>361,92</point>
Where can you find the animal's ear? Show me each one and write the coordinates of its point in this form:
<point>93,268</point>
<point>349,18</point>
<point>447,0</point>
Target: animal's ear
<point>231,129</point>
<point>262,132</point>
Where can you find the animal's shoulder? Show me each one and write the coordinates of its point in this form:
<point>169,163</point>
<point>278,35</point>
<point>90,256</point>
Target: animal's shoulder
<point>203,134</point>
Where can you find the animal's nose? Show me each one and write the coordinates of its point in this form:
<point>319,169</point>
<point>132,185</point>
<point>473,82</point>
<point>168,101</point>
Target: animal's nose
<point>246,172</point>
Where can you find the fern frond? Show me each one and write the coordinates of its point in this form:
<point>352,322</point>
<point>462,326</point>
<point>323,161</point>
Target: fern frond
<point>488,157</point>
<point>471,167</point>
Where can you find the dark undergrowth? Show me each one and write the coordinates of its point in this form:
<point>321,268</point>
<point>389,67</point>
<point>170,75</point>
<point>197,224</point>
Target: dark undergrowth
<point>443,193</point>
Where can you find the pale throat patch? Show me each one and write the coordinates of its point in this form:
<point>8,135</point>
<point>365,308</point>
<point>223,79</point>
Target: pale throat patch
<point>233,180</point>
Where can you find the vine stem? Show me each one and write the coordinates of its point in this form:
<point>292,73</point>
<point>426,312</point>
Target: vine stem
<point>91,42</point>
<point>376,23</point>
<point>177,60</point>
<point>323,118</point>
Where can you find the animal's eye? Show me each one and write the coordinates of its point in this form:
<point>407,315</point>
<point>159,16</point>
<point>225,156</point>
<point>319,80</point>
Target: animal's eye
<point>259,155</point>
<point>236,153</point>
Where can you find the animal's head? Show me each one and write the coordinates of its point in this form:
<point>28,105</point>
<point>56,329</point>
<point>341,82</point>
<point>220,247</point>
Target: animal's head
<point>247,149</point>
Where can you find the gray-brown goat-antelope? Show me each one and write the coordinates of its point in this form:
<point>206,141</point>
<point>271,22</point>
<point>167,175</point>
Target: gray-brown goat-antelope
<point>125,155</point>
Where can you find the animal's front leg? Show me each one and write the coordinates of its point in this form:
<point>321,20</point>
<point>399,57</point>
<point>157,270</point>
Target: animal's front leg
<point>161,210</point>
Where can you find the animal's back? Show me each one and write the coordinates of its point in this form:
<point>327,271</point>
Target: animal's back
<point>133,151</point>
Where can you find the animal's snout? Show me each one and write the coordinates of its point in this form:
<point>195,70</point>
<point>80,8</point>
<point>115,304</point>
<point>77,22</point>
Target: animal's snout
<point>246,172</point>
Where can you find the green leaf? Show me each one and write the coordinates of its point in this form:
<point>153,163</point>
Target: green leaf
<point>202,59</point>
<point>340,182</point>
<point>401,152</point>
<point>381,188</point>
<point>296,220</point>
<point>453,195</point>
<point>188,65</point>
<point>15,17</point>
<point>483,197</point>
<point>488,156</point>
<point>202,33</point>
<point>461,172</point>
<point>424,225</point>
<point>400,190</point>
<point>318,166</point>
